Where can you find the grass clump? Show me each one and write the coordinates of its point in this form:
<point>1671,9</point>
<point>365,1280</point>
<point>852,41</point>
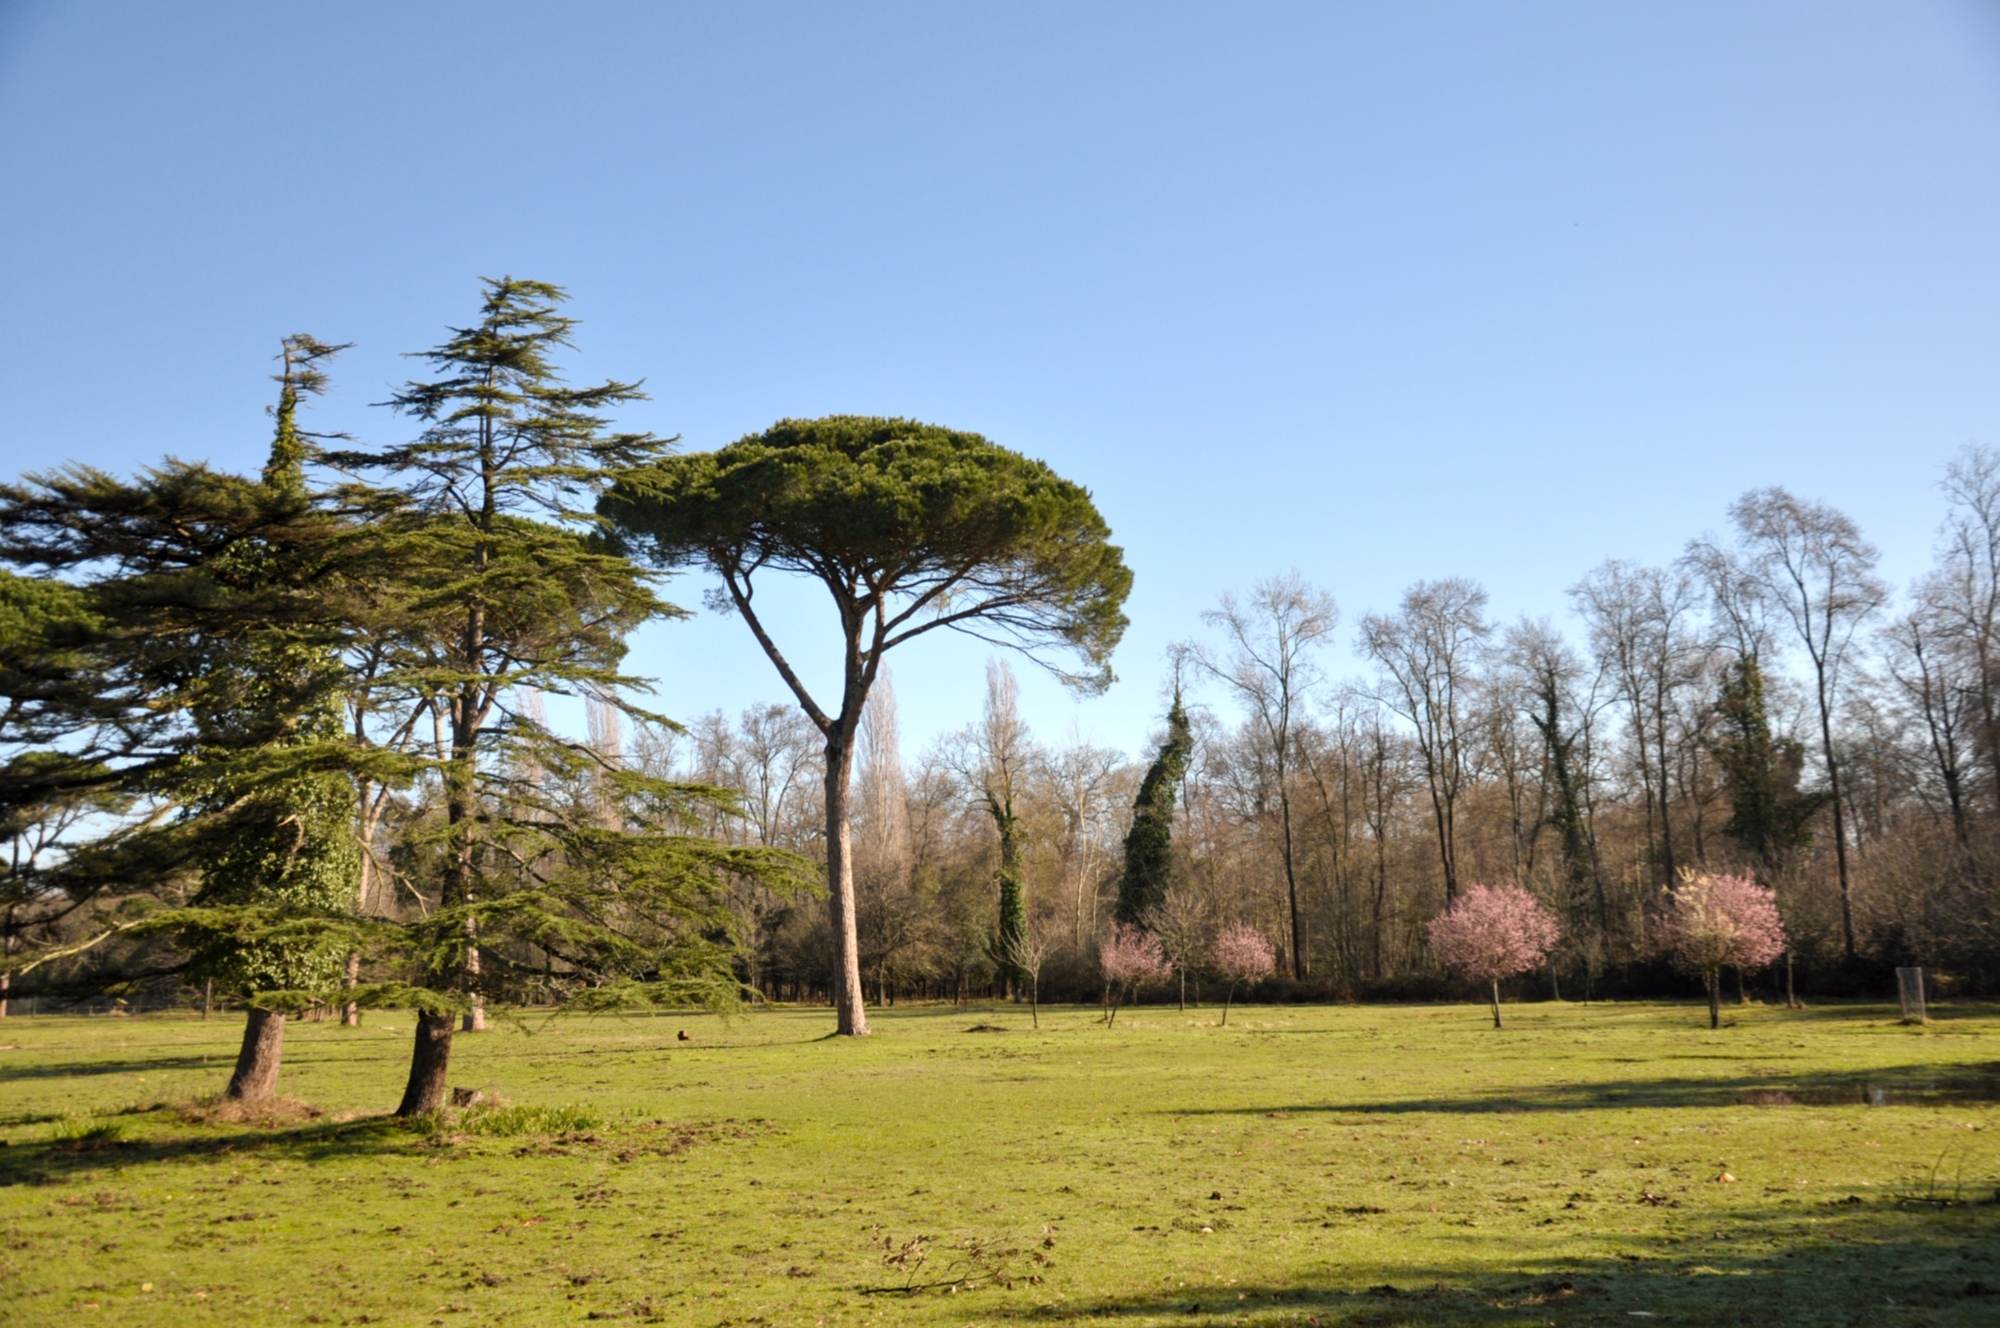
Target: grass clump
<point>85,1132</point>
<point>509,1120</point>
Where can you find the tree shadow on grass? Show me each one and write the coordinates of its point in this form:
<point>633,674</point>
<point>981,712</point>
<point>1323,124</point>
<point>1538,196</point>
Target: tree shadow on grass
<point>1896,1261</point>
<point>117,1141</point>
<point>1886,1086</point>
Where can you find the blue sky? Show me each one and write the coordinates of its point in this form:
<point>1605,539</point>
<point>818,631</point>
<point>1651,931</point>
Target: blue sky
<point>1376,293</point>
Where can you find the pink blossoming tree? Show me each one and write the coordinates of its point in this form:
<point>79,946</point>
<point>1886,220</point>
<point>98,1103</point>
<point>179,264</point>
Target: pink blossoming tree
<point>1241,955</point>
<point>1715,920</point>
<point>1127,957</point>
<point>1494,932</point>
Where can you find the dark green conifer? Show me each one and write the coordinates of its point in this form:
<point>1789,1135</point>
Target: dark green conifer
<point>1149,843</point>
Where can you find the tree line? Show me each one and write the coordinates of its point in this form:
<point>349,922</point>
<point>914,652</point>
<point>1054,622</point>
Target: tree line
<point>1762,707</point>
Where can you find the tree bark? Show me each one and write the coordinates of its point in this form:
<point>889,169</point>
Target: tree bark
<point>258,1063</point>
<point>350,1013</point>
<point>1714,999</point>
<point>430,1063</point>
<point>475,1017</point>
<point>850,1010</point>
<point>1225,1004</point>
<point>1496,1003</point>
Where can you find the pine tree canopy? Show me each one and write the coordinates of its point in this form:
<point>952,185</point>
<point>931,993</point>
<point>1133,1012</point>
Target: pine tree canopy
<point>911,526</point>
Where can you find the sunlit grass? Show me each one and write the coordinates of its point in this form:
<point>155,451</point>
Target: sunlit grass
<point>1378,1165</point>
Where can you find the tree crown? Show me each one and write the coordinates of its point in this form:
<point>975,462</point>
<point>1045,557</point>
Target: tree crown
<point>911,526</point>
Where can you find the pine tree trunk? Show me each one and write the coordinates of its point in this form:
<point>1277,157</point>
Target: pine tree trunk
<point>1496,1003</point>
<point>350,1013</point>
<point>258,1063</point>
<point>850,1010</point>
<point>430,1063</point>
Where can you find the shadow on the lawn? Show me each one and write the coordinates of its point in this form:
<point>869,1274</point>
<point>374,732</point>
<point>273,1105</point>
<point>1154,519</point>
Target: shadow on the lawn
<point>108,1145</point>
<point>1888,1086</point>
<point>1907,1261</point>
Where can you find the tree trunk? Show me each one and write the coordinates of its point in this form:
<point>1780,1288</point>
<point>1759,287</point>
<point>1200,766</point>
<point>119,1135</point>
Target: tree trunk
<point>1035,999</point>
<point>1291,880</point>
<point>1742,996</point>
<point>430,1062</point>
<point>1496,1003</point>
<point>350,1013</point>
<point>1225,1004</point>
<point>263,1053</point>
<point>1791,995</point>
<point>1183,991</point>
<point>1714,999</point>
<point>475,1017</point>
<point>207,995</point>
<point>850,1010</point>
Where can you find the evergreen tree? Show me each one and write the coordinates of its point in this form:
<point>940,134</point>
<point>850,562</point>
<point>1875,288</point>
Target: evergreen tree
<point>492,584</point>
<point>910,528</point>
<point>1769,818</point>
<point>197,716</point>
<point>1149,843</point>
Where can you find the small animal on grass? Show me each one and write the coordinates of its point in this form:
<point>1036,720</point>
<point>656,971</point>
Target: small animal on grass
<point>686,1036</point>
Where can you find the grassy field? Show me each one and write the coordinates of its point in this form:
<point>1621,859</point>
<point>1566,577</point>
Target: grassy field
<point>1373,1165</point>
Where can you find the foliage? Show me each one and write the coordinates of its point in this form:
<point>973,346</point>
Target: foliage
<point>1242,954</point>
<point>1149,843</point>
<point>1493,932</point>
<point>1769,818</point>
<point>910,527</point>
<point>1712,921</point>
<point>1128,956</point>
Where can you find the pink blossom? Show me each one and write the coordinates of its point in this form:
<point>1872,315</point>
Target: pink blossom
<point>1127,957</point>
<point>1130,955</point>
<point>1494,932</point>
<point>1711,921</point>
<point>1241,954</point>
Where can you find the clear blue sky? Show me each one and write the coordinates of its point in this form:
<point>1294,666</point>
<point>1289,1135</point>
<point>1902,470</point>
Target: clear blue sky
<point>1376,292</point>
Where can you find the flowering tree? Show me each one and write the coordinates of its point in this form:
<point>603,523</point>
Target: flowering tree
<point>1494,932</point>
<point>1241,954</point>
<point>1128,956</point>
<point>1715,920</point>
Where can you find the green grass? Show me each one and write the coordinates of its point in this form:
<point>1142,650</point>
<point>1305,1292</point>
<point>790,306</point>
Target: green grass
<point>1371,1165</point>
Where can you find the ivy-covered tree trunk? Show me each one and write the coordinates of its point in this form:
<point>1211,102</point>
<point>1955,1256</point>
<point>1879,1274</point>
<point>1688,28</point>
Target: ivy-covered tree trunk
<point>259,1060</point>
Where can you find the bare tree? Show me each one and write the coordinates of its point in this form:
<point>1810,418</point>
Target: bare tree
<point>1639,620</point>
<point>1269,665</point>
<point>1819,573</point>
<point>1429,652</point>
<point>1964,591</point>
<point>1184,922</point>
